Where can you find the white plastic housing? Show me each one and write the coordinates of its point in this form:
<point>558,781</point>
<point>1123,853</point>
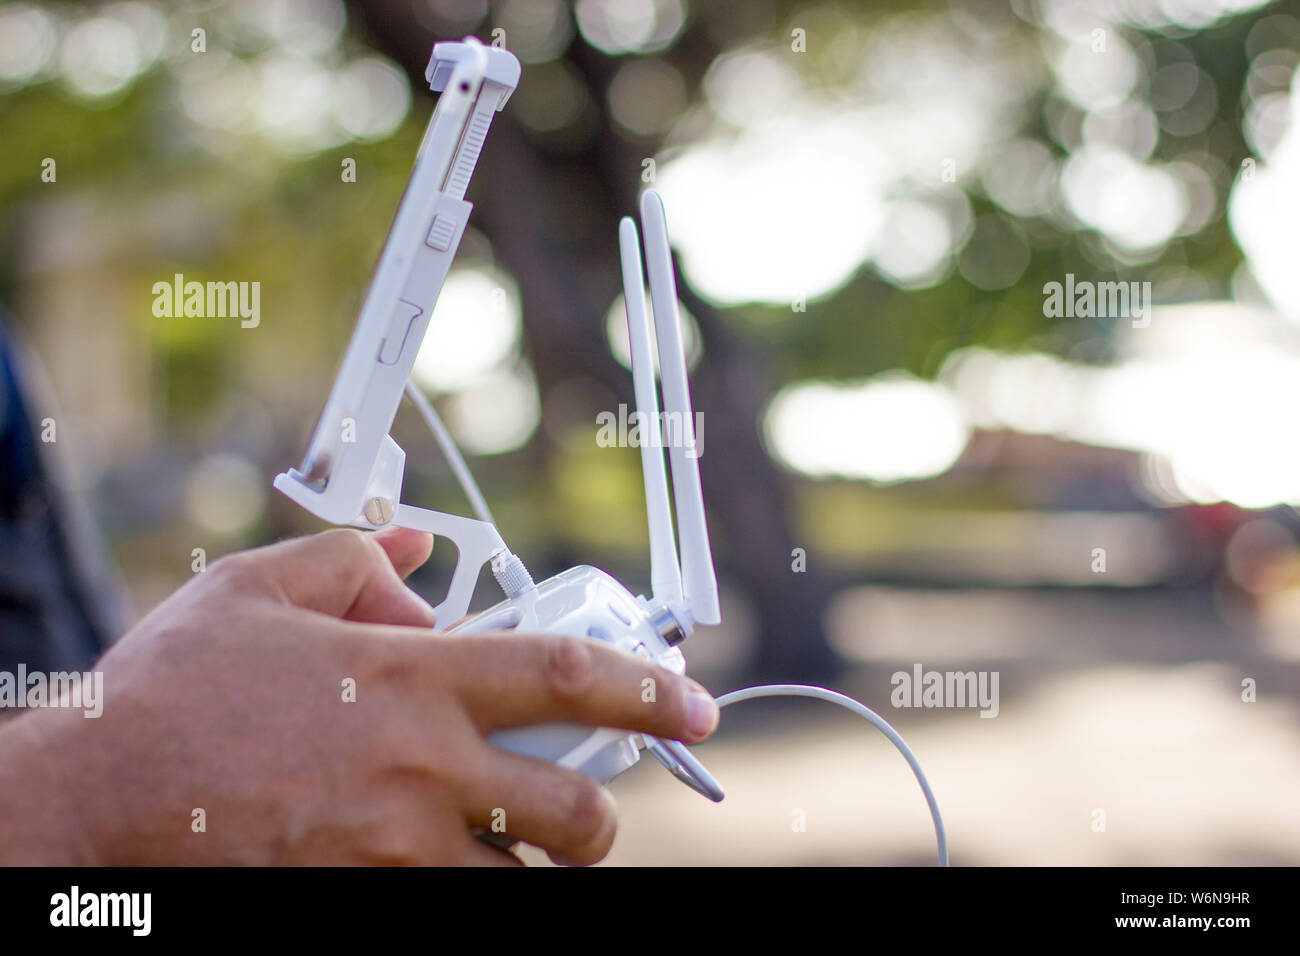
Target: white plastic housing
<point>580,602</point>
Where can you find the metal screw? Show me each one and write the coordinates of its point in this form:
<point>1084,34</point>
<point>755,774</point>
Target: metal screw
<point>379,511</point>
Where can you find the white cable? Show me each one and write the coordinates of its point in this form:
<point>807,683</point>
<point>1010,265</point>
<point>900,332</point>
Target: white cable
<point>452,453</point>
<point>821,693</point>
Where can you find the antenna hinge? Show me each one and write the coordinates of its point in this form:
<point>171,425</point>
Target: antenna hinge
<point>666,624</point>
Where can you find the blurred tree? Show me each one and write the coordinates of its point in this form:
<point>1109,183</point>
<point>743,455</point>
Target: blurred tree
<point>155,177</point>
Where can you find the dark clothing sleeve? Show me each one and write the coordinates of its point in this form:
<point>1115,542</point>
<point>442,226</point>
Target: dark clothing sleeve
<point>53,615</point>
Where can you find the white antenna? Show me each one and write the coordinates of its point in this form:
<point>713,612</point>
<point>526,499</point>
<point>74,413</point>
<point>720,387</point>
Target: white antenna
<point>701,585</point>
<point>665,575</point>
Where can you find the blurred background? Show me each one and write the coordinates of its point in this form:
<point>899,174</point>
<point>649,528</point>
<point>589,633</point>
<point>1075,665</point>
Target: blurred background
<point>907,459</point>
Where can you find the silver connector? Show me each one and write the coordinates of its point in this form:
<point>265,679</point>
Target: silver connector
<point>511,574</point>
<point>667,625</point>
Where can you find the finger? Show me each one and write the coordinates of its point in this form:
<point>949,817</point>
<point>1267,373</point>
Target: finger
<point>514,680</point>
<point>562,811</point>
<point>344,573</point>
<point>406,548</point>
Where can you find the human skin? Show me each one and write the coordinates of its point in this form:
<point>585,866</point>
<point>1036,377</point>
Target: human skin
<point>230,698</point>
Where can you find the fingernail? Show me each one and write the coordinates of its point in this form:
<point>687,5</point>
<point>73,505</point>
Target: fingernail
<point>701,711</point>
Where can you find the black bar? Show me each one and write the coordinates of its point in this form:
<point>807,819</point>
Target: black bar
<point>607,907</point>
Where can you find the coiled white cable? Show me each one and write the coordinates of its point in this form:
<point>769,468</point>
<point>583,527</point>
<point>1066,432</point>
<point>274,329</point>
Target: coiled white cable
<point>821,693</point>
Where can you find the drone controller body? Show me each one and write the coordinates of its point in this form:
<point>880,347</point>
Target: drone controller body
<point>352,472</point>
<point>581,602</point>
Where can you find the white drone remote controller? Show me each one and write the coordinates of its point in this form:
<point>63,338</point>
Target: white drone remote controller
<point>585,601</point>
<point>352,471</point>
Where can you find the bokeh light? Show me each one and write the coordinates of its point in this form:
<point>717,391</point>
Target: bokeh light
<point>370,98</point>
<point>473,332</point>
<point>646,96</point>
<point>616,334</point>
<point>537,31</point>
<point>28,39</point>
<point>1209,401</point>
<point>630,26</point>
<point>100,56</point>
<point>892,428</point>
<point>498,413</point>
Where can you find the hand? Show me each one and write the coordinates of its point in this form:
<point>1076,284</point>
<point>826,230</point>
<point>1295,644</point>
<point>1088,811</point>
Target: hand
<point>231,698</point>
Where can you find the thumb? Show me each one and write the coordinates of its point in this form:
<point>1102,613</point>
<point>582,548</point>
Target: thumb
<point>349,574</point>
<point>407,549</point>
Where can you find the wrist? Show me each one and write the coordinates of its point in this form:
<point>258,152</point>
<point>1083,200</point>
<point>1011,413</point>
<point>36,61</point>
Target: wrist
<point>40,793</point>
